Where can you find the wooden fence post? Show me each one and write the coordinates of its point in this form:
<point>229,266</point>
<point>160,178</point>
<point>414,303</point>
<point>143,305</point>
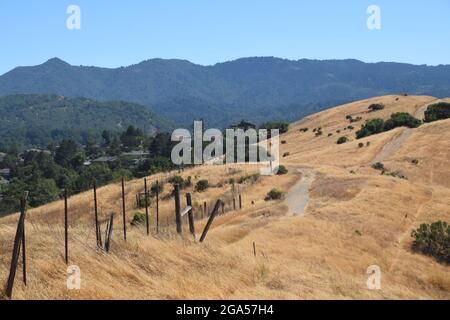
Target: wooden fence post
<point>97,226</point>
<point>146,205</point>
<point>66,232</point>
<point>178,208</point>
<point>254,249</point>
<point>24,254</point>
<point>108,235</point>
<point>240,201</point>
<point>205,211</point>
<point>123,211</point>
<point>190,214</point>
<point>210,220</point>
<point>234,203</point>
<point>223,207</point>
<point>18,240</point>
<point>157,206</point>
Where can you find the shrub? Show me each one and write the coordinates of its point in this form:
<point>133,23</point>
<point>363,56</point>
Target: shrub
<point>319,133</point>
<point>355,119</point>
<point>283,141</point>
<point>395,174</point>
<point>378,166</point>
<point>250,178</point>
<point>141,201</point>
<point>286,154</point>
<point>434,240</point>
<point>360,145</point>
<point>398,119</point>
<point>438,111</point>
<point>282,170</point>
<point>138,218</point>
<point>351,127</point>
<point>202,185</point>
<point>375,107</point>
<point>342,140</point>
<point>401,119</point>
<point>415,161</point>
<point>273,194</point>
<point>304,129</point>
<point>370,127</point>
<point>330,134</point>
<point>184,183</point>
<point>156,187</point>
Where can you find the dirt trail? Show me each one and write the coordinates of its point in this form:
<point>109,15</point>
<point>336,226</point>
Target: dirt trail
<point>392,146</point>
<point>395,144</point>
<point>298,196</point>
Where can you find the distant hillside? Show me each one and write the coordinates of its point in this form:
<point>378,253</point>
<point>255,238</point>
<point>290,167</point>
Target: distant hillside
<point>257,89</point>
<point>35,120</point>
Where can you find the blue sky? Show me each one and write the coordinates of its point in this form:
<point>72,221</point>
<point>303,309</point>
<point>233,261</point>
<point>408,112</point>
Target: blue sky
<point>120,33</point>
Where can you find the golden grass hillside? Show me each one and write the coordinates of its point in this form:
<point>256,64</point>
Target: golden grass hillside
<point>355,218</point>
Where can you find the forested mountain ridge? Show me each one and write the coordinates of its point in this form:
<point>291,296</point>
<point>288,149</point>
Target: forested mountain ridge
<point>257,89</point>
<point>38,119</point>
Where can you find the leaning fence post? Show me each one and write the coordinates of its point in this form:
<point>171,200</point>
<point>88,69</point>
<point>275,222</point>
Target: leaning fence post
<point>223,207</point>
<point>210,220</point>
<point>146,205</point>
<point>123,211</point>
<point>97,226</point>
<point>16,250</point>
<point>178,208</point>
<point>108,235</point>
<point>157,206</point>
<point>190,214</point>
<point>66,233</point>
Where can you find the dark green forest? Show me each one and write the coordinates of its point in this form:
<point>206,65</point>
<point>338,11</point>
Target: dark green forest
<point>32,120</point>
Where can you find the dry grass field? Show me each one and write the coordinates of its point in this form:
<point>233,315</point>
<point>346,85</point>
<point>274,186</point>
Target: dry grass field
<point>355,218</point>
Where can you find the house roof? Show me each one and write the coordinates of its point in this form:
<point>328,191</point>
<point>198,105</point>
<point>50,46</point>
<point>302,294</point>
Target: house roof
<point>105,159</point>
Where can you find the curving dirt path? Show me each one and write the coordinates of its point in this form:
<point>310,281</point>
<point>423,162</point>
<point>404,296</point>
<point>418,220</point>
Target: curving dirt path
<point>395,144</point>
<point>298,196</point>
<point>392,146</point>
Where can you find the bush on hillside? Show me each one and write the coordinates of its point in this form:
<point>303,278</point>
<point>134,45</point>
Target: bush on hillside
<point>202,185</point>
<point>372,126</point>
<point>375,107</point>
<point>282,170</point>
<point>378,166</point>
<point>434,240</point>
<point>398,119</point>
<point>156,187</point>
<point>138,219</point>
<point>401,119</point>
<point>438,111</point>
<point>273,194</point>
<point>342,140</point>
<point>183,183</point>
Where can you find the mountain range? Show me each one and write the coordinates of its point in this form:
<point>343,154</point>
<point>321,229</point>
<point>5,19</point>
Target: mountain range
<point>256,89</point>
